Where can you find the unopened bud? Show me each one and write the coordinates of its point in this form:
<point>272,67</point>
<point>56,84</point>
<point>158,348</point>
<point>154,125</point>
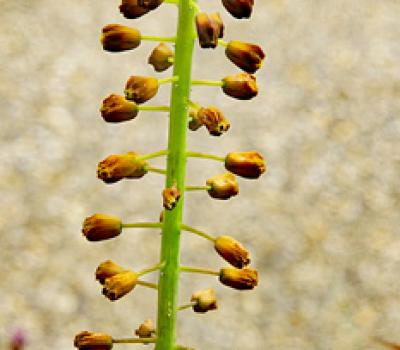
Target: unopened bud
<point>141,89</point>
<point>160,58</point>
<point>171,197</point>
<point>118,285</point>
<point>239,8</point>
<point>223,186</point>
<point>206,300</point>
<point>107,269</point>
<point>250,165</point>
<point>146,329</point>
<point>195,121</point>
<point>93,341</point>
<point>248,57</point>
<point>118,166</point>
<point>150,4</point>
<point>116,37</point>
<point>242,86</point>
<point>99,227</point>
<point>117,109</point>
<point>232,251</point>
<point>209,29</point>
<point>241,279</point>
<point>214,120</point>
<point>131,9</point>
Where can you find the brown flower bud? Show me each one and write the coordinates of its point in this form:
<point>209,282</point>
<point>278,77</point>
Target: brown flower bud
<point>150,4</point>
<point>93,341</point>
<point>232,251</point>
<point>141,89</point>
<point>131,9</point>
<point>171,197</point>
<point>99,227</point>
<point>146,329</point>
<point>241,279</point>
<point>116,109</point>
<point>117,38</point>
<point>246,164</point>
<point>160,58</point>
<point>107,269</point>
<point>248,57</point>
<point>119,166</point>
<point>239,8</point>
<point>206,300</point>
<point>118,285</point>
<point>242,86</point>
<point>209,29</point>
<point>214,120</point>
<point>223,186</point>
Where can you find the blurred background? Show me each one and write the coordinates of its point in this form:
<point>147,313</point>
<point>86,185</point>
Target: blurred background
<point>322,226</point>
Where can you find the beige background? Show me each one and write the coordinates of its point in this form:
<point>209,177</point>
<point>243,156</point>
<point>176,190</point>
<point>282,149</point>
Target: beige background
<point>322,226</point>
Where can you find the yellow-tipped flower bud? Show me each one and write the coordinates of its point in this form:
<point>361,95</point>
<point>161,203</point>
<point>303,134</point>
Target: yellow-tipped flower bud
<point>160,58</point>
<point>206,300</point>
<point>118,166</point>
<point>209,29</point>
<point>150,4</point>
<point>241,279</point>
<point>214,120</point>
<point>118,285</point>
<point>131,9</point>
<point>99,227</point>
<point>171,197</point>
<point>248,57</point>
<point>116,109</point>
<point>141,89</point>
<point>232,251</point>
<point>250,165</point>
<point>242,86</point>
<point>107,269</point>
<point>93,341</point>
<point>239,8</point>
<point>116,38</point>
<point>146,329</point>
<point>223,186</point>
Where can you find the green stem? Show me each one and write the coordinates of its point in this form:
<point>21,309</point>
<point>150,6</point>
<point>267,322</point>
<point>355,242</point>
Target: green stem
<point>170,39</point>
<point>156,170</point>
<point>187,306</point>
<point>222,43</point>
<point>150,269</point>
<point>207,82</point>
<point>198,232</point>
<point>171,2</point>
<point>153,108</point>
<point>153,155</point>
<point>204,155</point>
<point>134,340</point>
<point>199,270</point>
<point>198,188</point>
<point>168,80</point>
<point>147,284</point>
<point>143,225</point>
<point>168,290</point>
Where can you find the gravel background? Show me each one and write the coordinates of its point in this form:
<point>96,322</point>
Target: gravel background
<point>322,226</point>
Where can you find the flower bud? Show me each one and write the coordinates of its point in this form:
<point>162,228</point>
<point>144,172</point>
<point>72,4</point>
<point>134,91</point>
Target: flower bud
<point>117,38</point>
<point>160,57</point>
<point>232,251</point>
<point>206,300</point>
<point>107,269</point>
<point>195,121</point>
<point>239,8</point>
<point>131,9</point>
<point>93,341</point>
<point>246,164</point>
<point>146,329</point>
<point>171,197</point>
<point>141,89</point>
<point>242,86</point>
<point>217,19</point>
<point>118,166</point>
<point>118,285</point>
<point>214,120</point>
<point>99,227</point>
<point>248,57</point>
<point>116,109</point>
<point>209,29</point>
<point>150,4</point>
<point>223,186</point>
<point>241,279</point>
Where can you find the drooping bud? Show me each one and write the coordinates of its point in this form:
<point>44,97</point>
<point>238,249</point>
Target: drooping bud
<point>141,89</point>
<point>223,186</point>
<point>116,109</point>
<point>150,4</point>
<point>118,285</point>
<point>209,29</point>
<point>242,279</point>
<point>232,251</point>
<point>116,38</point>
<point>99,227</point>
<point>93,341</point>
<point>171,197</point>
<point>206,300</point>
<point>214,120</point>
<point>242,86</point>
<point>239,8</point>
<point>118,166</point>
<point>160,58</point>
<point>248,57</point>
<point>250,165</point>
<point>107,269</point>
<point>146,329</point>
<point>131,9</point>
